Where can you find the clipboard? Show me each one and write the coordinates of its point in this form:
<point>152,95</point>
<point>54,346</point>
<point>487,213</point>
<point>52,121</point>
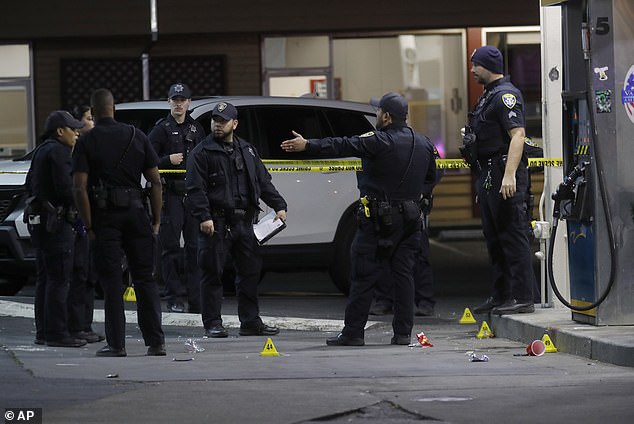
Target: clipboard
<point>267,227</point>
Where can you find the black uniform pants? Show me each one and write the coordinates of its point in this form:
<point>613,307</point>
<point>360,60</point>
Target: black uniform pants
<point>81,296</point>
<point>54,273</point>
<point>423,280</point>
<point>176,219</point>
<point>504,224</point>
<point>370,262</point>
<point>239,241</point>
<point>130,230</point>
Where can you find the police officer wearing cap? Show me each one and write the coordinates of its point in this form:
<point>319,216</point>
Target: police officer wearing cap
<point>397,163</point>
<point>497,127</point>
<point>225,180</point>
<point>50,214</point>
<point>173,138</point>
<point>107,165</point>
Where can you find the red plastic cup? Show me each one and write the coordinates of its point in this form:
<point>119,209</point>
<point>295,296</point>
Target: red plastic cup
<point>536,348</point>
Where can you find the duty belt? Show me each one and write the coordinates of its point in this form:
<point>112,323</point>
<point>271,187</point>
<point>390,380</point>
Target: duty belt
<point>233,215</point>
<point>374,207</point>
<point>176,185</point>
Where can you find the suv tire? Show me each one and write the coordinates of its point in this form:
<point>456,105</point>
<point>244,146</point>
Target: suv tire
<point>340,266</point>
<point>11,285</point>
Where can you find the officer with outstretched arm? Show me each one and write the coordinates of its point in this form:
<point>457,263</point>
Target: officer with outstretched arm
<point>397,162</point>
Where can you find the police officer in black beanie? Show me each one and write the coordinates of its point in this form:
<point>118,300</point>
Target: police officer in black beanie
<point>50,215</point>
<point>107,165</point>
<point>497,127</point>
<point>397,163</point>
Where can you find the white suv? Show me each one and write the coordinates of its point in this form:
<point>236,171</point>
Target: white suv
<point>321,205</point>
<point>17,255</point>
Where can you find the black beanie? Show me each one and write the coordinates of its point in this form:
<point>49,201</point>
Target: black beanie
<point>490,58</point>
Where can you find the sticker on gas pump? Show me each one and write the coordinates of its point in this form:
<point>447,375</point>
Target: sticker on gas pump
<point>602,72</point>
<point>627,95</point>
<point>603,100</point>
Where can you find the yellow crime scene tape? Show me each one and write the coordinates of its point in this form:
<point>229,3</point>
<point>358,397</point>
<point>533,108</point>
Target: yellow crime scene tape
<point>349,165</point>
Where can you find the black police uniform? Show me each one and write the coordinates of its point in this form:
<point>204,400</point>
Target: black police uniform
<point>423,275</point>
<point>81,296</point>
<point>500,109</point>
<point>49,182</point>
<point>114,155</point>
<point>170,137</point>
<point>397,162</point>
<point>224,183</point>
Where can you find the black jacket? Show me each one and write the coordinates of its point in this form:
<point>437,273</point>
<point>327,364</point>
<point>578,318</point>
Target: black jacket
<point>49,177</point>
<point>499,109</point>
<point>169,137</point>
<point>208,186</point>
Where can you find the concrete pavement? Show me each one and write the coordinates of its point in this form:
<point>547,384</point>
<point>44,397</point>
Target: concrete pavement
<point>609,344</point>
<point>230,382</point>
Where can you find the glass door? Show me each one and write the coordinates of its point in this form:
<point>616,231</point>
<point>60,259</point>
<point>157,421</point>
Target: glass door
<point>426,67</point>
<point>297,66</point>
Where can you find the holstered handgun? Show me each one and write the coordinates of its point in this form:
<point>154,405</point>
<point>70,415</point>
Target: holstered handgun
<point>53,217</point>
<point>100,195</point>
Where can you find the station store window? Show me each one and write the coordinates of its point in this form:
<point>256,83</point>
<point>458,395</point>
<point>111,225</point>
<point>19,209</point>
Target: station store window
<point>521,48</point>
<point>16,100</point>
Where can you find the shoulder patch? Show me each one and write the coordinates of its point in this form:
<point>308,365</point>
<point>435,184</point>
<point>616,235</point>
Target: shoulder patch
<point>509,100</point>
<point>368,134</point>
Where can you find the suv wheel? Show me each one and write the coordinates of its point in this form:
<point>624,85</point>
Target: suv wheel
<point>10,286</point>
<point>340,266</point>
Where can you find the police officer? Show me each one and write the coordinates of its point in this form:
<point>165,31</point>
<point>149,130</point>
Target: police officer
<point>225,180</point>
<point>81,295</point>
<point>424,301</point>
<point>107,163</point>
<point>497,124</point>
<point>173,138</point>
<point>397,162</point>
<point>50,215</point>
<point>83,114</point>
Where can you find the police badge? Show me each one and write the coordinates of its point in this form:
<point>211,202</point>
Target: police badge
<point>509,100</point>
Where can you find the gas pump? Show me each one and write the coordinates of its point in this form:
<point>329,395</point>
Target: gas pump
<point>596,197</point>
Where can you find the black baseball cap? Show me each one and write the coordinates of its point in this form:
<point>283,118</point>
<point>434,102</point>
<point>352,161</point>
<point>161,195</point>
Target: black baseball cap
<point>179,90</point>
<point>225,110</point>
<point>61,119</point>
<point>392,103</point>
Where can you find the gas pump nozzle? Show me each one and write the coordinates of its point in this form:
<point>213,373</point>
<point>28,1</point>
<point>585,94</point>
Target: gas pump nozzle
<point>565,191</point>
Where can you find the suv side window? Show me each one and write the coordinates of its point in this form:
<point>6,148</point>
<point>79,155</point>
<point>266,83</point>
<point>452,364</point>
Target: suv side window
<point>142,119</point>
<point>275,123</point>
<point>345,123</point>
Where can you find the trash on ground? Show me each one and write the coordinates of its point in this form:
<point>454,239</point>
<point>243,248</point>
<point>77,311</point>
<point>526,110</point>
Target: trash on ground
<point>192,347</point>
<point>474,357</point>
